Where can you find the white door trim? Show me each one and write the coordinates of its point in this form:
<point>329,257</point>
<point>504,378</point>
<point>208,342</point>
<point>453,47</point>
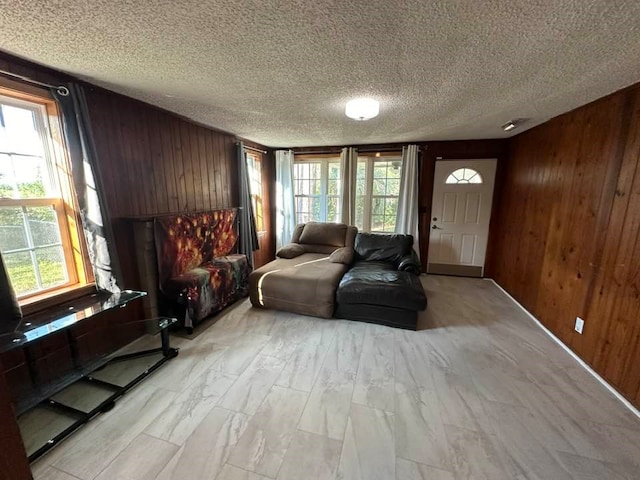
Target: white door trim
<point>460,217</point>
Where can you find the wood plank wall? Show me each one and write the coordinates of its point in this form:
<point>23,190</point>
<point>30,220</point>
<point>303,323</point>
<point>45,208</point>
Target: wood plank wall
<point>566,238</point>
<point>13,458</point>
<point>153,161</point>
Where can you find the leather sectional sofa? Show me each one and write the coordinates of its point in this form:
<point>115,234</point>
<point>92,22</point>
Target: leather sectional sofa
<point>330,270</point>
<point>383,285</point>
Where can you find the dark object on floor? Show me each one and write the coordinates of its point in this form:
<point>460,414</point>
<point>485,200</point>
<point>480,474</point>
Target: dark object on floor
<point>156,325</point>
<point>383,286</point>
<point>54,348</point>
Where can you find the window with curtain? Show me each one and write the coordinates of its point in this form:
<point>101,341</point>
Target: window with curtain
<point>38,239</point>
<point>377,191</point>
<point>254,166</point>
<point>317,189</point>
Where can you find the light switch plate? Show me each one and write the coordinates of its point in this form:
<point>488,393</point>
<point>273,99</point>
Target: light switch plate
<point>579,325</point>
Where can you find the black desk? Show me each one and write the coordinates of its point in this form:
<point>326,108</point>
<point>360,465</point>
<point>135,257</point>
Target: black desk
<point>35,328</point>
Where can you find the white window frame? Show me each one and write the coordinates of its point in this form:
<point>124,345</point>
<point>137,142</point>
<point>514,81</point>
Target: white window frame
<point>42,127</point>
<point>369,162</point>
<point>324,186</point>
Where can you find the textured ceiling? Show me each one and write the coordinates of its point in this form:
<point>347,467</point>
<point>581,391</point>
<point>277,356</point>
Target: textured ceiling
<point>280,72</point>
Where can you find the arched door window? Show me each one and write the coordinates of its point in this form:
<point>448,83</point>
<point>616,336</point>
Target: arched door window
<point>464,175</point>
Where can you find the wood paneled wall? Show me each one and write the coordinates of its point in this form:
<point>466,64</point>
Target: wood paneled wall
<point>153,162</point>
<point>566,237</point>
<point>13,458</point>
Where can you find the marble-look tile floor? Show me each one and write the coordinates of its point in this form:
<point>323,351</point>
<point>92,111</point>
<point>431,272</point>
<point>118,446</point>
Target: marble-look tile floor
<point>480,392</point>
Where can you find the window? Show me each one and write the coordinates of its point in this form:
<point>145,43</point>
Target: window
<point>254,167</point>
<point>317,186</point>
<point>41,253</point>
<point>317,190</point>
<point>464,175</point>
<point>377,191</point>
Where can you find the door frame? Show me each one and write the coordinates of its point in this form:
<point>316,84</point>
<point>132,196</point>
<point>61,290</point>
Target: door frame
<point>459,150</point>
<point>474,271</point>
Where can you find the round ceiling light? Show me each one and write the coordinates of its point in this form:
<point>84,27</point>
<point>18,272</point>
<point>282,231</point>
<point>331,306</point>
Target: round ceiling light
<point>362,108</point>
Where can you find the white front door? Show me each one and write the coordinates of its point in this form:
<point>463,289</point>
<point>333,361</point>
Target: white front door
<point>460,215</point>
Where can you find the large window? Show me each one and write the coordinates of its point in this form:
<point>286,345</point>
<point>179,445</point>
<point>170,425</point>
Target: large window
<point>254,166</point>
<point>35,239</point>
<point>317,185</point>
<point>377,191</point>
<point>317,190</point>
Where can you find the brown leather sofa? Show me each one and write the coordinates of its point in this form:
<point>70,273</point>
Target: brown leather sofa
<point>305,276</point>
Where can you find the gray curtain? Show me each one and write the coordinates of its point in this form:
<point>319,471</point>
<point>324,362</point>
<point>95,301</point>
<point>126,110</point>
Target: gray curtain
<point>348,173</point>
<point>248,241</point>
<point>407,216</point>
<point>9,307</point>
<point>88,187</point>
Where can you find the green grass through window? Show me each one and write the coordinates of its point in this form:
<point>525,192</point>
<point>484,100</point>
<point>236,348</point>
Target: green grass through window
<point>23,277</point>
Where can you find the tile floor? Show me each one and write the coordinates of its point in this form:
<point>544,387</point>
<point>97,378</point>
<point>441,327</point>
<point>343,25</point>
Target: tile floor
<point>480,392</point>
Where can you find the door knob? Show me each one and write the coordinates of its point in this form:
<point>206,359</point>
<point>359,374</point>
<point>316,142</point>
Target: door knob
<point>435,227</point>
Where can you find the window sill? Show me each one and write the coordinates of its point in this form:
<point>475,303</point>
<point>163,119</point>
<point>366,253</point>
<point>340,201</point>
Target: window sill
<point>58,296</point>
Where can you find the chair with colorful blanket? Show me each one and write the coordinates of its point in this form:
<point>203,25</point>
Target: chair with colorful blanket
<point>197,264</point>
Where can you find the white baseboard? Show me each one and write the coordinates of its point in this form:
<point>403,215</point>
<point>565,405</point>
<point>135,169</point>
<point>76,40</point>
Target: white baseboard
<point>586,366</point>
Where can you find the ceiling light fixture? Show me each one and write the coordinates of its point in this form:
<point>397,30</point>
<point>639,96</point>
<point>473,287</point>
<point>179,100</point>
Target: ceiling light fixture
<point>362,108</point>
<point>515,123</point>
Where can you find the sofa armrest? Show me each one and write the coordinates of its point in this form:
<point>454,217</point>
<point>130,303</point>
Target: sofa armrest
<point>291,250</point>
<point>342,255</point>
<point>410,263</point>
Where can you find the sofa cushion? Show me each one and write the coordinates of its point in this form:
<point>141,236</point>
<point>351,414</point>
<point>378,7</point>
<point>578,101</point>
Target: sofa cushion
<point>379,283</point>
<point>304,285</point>
<point>382,247</point>
<point>410,263</point>
<point>342,255</point>
<point>331,234</point>
<point>324,249</point>
<point>295,236</point>
<point>292,250</point>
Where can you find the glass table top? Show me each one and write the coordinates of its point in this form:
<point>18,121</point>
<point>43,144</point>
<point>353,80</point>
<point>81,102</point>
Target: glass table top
<point>14,334</point>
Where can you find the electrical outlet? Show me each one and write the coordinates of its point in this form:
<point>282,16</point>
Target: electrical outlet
<point>579,325</point>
